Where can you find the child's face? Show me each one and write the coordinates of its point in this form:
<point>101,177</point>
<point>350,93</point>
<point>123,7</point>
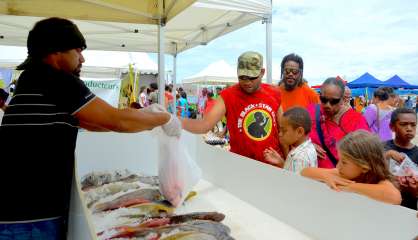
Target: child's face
<point>406,126</point>
<point>289,135</point>
<point>348,168</point>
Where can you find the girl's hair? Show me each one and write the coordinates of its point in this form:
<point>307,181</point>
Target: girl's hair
<point>381,93</point>
<point>366,150</point>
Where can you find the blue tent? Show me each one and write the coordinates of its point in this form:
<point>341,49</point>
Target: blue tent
<point>397,82</point>
<point>365,80</point>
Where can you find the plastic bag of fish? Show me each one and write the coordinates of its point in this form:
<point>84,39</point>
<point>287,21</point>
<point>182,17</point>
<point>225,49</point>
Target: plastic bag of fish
<point>177,171</point>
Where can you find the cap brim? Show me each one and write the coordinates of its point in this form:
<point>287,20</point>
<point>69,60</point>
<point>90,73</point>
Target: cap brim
<point>248,73</point>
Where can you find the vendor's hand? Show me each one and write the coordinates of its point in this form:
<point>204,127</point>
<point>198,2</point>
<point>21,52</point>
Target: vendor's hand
<point>320,151</point>
<point>172,127</point>
<point>397,156</point>
<point>155,107</point>
<point>273,157</point>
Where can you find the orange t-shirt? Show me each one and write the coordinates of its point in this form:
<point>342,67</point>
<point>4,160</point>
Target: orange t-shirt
<point>301,96</point>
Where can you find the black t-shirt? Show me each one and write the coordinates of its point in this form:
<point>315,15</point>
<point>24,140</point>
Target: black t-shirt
<point>411,153</point>
<point>408,200</point>
<point>38,138</point>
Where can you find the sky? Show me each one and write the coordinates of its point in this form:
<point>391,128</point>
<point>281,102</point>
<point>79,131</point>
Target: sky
<point>334,37</point>
<point>346,38</point>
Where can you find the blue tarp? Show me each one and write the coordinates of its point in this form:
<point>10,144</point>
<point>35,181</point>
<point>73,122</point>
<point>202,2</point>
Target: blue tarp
<point>365,80</point>
<point>397,82</point>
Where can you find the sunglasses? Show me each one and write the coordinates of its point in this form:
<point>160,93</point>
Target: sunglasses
<point>331,101</point>
<point>243,78</point>
<point>291,70</point>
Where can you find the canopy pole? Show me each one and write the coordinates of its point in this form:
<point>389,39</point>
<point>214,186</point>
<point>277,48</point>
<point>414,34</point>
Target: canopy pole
<point>269,61</point>
<point>174,78</point>
<point>161,63</point>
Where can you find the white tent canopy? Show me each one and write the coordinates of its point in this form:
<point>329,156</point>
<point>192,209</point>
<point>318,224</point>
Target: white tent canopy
<point>137,26</point>
<point>196,25</point>
<point>98,63</point>
<point>219,72</point>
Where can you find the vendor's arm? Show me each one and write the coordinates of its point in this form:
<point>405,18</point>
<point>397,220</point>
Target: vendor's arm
<point>97,115</point>
<point>209,120</point>
<point>383,191</point>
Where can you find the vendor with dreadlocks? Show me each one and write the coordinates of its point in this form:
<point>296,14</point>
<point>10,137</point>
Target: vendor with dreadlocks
<point>293,89</point>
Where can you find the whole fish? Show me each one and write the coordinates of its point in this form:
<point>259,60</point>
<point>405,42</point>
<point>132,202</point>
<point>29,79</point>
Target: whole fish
<point>96,179</point>
<point>145,195</point>
<point>189,236</point>
<point>150,222</point>
<point>98,193</point>
<point>218,230</point>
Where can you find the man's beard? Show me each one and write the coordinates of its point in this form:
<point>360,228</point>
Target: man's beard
<point>77,71</point>
<point>290,87</point>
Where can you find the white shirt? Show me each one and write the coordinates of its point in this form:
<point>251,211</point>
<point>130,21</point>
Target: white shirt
<point>301,157</point>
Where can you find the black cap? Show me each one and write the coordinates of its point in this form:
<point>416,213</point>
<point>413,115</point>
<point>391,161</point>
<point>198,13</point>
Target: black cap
<point>52,35</point>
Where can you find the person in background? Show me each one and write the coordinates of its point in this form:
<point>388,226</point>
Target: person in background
<point>201,101</point>
<point>40,127</point>
<point>143,98</point>
<point>3,99</point>
<point>169,99</point>
<point>153,96</point>
<point>378,114</point>
<point>293,89</point>
<point>394,99</point>
<point>404,124</point>
<point>409,103</point>
<point>209,103</point>
<point>331,121</point>
<point>182,105</point>
<point>218,92</point>
<point>359,104</point>
<point>360,169</point>
<point>347,96</point>
<point>295,125</point>
<point>251,109</point>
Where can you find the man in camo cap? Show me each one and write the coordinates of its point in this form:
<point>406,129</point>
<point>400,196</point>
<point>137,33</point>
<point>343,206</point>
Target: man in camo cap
<point>251,109</point>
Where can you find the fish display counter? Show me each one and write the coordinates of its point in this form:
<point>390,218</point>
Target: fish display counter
<point>258,201</point>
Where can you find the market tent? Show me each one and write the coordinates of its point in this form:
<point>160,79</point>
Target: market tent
<point>137,26</point>
<point>219,72</point>
<point>98,63</point>
<point>365,80</point>
<point>397,82</point>
<point>121,26</point>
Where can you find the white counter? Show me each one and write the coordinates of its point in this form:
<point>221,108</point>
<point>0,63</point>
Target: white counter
<point>259,201</point>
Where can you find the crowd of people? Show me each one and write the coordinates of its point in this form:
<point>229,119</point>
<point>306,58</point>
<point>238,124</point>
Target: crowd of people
<point>319,136</point>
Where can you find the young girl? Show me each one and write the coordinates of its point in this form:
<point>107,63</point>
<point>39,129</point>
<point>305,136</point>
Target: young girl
<point>361,169</point>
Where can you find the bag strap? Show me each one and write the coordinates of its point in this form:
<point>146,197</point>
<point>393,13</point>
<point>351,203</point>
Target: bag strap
<point>378,120</point>
<point>321,135</point>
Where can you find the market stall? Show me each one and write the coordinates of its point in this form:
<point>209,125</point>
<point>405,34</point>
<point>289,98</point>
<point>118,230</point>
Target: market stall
<point>259,201</point>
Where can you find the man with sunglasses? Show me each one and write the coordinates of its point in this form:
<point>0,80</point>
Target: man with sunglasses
<point>293,89</point>
<point>251,109</point>
<point>331,121</point>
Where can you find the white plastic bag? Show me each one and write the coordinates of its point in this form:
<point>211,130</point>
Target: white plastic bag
<point>177,171</point>
<point>403,169</point>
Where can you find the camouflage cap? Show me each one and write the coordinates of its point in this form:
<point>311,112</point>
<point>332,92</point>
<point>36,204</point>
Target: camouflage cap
<point>250,64</point>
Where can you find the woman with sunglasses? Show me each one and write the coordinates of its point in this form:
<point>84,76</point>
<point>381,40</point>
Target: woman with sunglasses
<point>331,121</point>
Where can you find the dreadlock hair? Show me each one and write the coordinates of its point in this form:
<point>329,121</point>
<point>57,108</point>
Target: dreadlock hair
<point>296,58</point>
